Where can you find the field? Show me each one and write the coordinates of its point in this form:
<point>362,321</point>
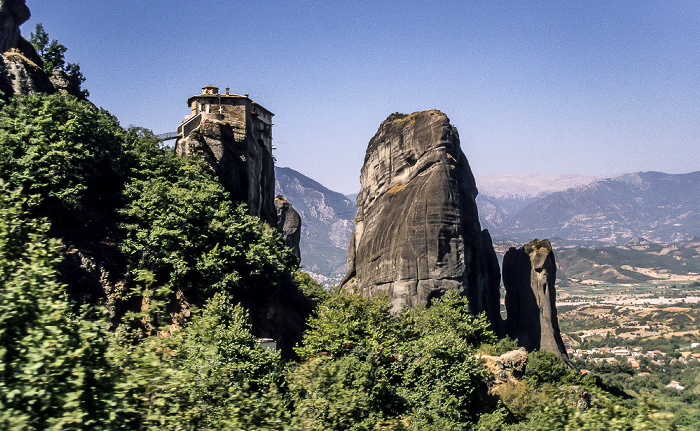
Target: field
<point>641,339</point>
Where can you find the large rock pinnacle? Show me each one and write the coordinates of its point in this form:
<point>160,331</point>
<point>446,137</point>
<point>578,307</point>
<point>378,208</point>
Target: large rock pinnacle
<point>417,232</point>
<point>529,274</point>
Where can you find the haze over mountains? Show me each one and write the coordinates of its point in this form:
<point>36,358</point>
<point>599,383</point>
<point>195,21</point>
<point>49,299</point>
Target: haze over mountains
<point>572,210</point>
<point>660,207</point>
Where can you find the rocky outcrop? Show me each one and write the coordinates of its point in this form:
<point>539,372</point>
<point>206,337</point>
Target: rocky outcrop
<point>246,167</point>
<point>417,233</point>
<point>65,83</point>
<point>13,13</point>
<point>20,75</point>
<point>529,274</point>
<point>288,224</point>
<point>509,367</point>
<point>20,65</point>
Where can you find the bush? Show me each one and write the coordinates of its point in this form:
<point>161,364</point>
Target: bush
<point>545,367</point>
<point>181,227</point>
<point>210,375</point>
<point>344,322</point>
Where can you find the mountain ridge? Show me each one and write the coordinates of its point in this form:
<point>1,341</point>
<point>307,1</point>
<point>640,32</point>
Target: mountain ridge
<point>326,223</point>
<point>654,205</point>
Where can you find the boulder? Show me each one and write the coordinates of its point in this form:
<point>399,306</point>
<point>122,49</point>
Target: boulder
<point>529,274</point>
<point>288,224</point>
<point>417,232</point>
<point>509,367</point>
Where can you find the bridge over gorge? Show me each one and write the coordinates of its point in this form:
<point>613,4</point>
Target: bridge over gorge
<point>167,136</point>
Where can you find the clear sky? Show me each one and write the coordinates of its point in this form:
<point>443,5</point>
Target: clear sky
<point>589,87</point>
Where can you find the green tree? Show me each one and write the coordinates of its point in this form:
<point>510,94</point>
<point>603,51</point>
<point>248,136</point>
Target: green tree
<point>346,393</point>
<point>544,367</point>
<point>53,373</point>
<point>52,54</point>
<point>212,374</point>
<point>448,314</point>
<point>442,381</point>
<point>344,322</point>
<point>189,233</point>
<point>423,357</point>
<point>180,225</point>
<point>63,149</point>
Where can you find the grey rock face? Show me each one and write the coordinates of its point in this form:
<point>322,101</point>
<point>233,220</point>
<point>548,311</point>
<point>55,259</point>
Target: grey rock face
<point>20,75</point>
<point>417,232</point>
<point>288,224</point>
<point>529,274</point>
<point>65,83</point>
<point>13,13</point>
<point>20,65</point>
<point>246,167</point>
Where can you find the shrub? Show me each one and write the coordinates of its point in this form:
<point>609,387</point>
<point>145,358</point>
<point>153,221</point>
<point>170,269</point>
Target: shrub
<point>545,367</point>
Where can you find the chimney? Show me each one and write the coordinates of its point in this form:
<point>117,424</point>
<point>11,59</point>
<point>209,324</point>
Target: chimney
<point>227,89</point>
<point>246,95</point>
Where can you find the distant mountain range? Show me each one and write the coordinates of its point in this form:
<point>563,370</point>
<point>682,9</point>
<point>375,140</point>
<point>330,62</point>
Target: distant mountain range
<point>326,224</point>
<point>503,195</point>
<point>571,210</point>
<point>660,207</point>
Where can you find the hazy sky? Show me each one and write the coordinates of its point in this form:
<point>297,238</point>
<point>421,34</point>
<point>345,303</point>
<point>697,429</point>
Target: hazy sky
<point>590,87</point>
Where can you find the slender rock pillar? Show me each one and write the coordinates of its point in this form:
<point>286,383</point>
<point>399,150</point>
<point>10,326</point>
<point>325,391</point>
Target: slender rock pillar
<point>529,274</point>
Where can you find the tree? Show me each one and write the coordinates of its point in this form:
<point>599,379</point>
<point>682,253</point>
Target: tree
<point>180,225</point>
<point>545,367</point>
<point>442,381</point>
<point>53,373</point>
<point>63,149</point>
<point>345,322</point>
<point>211,374</point>
<point>52,54</point>
<point>419,364</point>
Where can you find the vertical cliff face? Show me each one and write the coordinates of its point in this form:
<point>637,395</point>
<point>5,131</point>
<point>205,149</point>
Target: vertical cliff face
<point>246,167</point>
<point>417,232</point>
<point>529,274</point>
<point>288,224</point>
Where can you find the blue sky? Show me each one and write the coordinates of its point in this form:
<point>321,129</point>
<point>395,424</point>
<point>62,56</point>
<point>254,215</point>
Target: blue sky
<point>589,87</point>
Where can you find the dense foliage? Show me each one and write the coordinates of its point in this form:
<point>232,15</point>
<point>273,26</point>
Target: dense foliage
<point>181,226</point>
<point>52,357</point>
<point>61,148</point>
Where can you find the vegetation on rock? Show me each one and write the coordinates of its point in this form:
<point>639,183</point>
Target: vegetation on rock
<point>52,54</point>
